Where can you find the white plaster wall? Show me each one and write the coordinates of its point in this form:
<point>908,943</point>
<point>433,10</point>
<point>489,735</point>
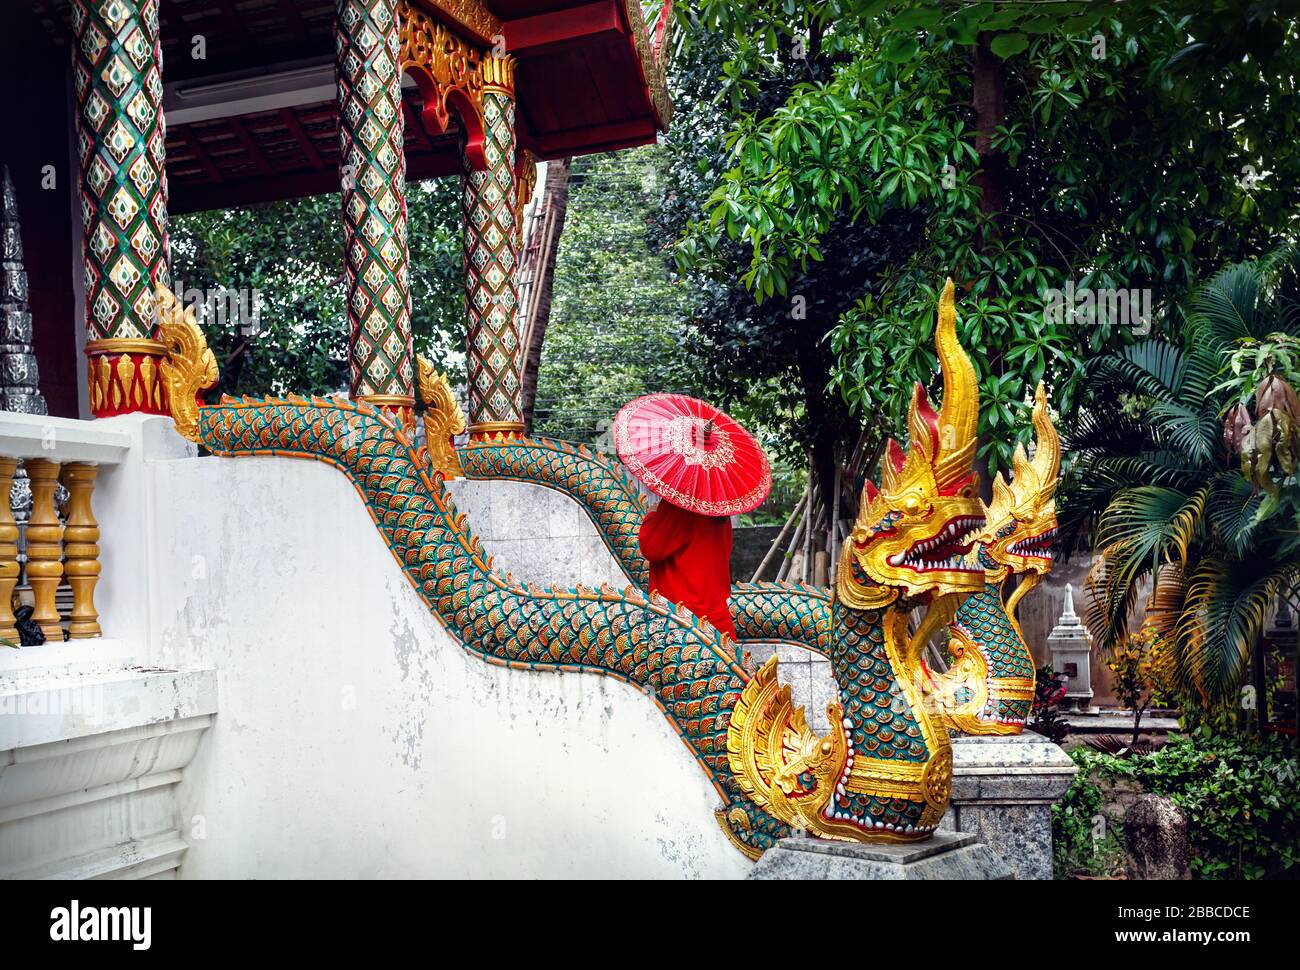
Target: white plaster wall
<point>537,533</point>
<point>355,738</point>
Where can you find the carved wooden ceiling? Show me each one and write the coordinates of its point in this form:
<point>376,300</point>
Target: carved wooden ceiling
<point>587,81</point>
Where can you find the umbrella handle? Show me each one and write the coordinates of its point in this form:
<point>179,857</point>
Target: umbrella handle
<point>708,430</point>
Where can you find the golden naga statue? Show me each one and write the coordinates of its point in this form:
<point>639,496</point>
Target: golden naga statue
<point>884,772</point>
<point>189,367</point>
<point>989,689</point>
<point>443,419</point>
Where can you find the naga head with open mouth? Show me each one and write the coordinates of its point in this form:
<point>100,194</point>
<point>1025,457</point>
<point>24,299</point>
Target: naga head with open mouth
<point>989,685</point>
<point>1021,519</point>
<point>884,771</point>
<point>913,533</point>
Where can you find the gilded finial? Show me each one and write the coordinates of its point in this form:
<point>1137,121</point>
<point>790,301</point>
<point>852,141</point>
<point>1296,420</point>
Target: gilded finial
<point>443,418</point>
<point>960,412</point>
<point>189,368</point>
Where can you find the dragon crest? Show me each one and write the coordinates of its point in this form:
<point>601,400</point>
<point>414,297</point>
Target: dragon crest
<point>189,368</point>
<point>443,419</point>
<point>884,771</point>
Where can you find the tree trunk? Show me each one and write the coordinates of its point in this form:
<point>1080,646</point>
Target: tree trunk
<point>989,90</point>
<point>990,114</point>
<point>555,204</point>
<point>1260,671</point>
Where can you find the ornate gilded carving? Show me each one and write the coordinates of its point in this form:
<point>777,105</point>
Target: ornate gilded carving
<point>786,768</point>
<point>443,418</point>
<point>122,376</point>
<point>443,65</point>
<point>190,368</point>
<point>653,68</point>
<point>525,183</point>
<point>906,550</point>
<point>498,73</point>
<point>472,16</point>
<point>989,688</point>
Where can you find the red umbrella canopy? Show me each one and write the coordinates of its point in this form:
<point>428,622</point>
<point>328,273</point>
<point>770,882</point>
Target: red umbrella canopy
<point>691,454</point>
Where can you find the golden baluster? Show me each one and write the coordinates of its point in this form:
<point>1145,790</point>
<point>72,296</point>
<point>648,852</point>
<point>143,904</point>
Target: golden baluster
<point>80,549</point>
<point>44,546</point>
<point>8,552</point>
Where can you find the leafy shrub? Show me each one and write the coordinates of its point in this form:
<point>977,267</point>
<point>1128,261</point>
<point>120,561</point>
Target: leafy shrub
<point>1045,716</point>
<point>1084,840</point>
<point>1240,795</point>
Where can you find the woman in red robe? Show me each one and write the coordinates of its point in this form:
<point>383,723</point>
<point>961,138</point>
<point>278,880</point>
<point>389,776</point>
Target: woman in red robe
<point>690,561</point>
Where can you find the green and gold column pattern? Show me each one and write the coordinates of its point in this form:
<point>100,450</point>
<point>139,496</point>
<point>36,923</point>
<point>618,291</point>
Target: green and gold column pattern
<point>373,173</point>
<point>121,139</point>
<point>491,254</point>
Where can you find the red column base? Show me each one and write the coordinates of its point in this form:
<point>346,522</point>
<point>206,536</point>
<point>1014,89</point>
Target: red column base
<point>496,431</point>
<point>123,377</point>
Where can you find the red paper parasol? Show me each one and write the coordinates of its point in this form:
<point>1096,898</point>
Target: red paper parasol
<point>691,454</point>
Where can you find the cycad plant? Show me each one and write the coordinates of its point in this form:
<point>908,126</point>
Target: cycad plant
<point>1177,502</point>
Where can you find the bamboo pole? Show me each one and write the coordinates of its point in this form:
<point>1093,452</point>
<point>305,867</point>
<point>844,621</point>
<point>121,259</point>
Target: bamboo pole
<point>812,523</point>
<point>832,534</point>
<point>776,543</point>
<point>813,550</point>
<point>784,571</point>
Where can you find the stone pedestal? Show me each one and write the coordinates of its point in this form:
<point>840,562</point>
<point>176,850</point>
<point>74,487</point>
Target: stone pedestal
<point>948,855</point>
<point>1003,790</point>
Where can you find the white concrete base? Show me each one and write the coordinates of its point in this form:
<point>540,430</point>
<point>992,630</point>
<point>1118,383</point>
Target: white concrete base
<point>90,757</point>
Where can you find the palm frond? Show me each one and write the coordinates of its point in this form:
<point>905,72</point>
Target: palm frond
<point>1223,616</point>
<point>1228,307</point>
<point>1152,521</point>
<point>1154,367</point>
<point>1231,512</point>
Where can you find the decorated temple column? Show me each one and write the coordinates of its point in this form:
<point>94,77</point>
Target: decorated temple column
<point>491,212</point>
<point>121,140</point>
<point>373,172</point>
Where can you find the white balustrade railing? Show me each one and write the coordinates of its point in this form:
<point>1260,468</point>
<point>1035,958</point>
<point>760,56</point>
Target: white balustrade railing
<point>49,536</point>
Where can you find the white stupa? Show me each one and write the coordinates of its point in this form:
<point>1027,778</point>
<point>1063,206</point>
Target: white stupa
<point>1070,645</point>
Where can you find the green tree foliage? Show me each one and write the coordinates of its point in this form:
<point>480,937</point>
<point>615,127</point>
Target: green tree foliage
<point>291,254</point>
<point>618,323</point>
<point>768,360</point>
<point>1034,145</point>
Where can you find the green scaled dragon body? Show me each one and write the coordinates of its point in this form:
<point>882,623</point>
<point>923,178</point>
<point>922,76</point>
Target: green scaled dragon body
<point>762,612</point>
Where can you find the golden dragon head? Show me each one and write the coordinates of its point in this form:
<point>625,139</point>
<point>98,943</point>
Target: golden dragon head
<point>868,779</point>
<point>443,419</point>
<point>978,694</point>
<point>189,368</point>
<point>913,532</point>
<point>1021,519</point>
